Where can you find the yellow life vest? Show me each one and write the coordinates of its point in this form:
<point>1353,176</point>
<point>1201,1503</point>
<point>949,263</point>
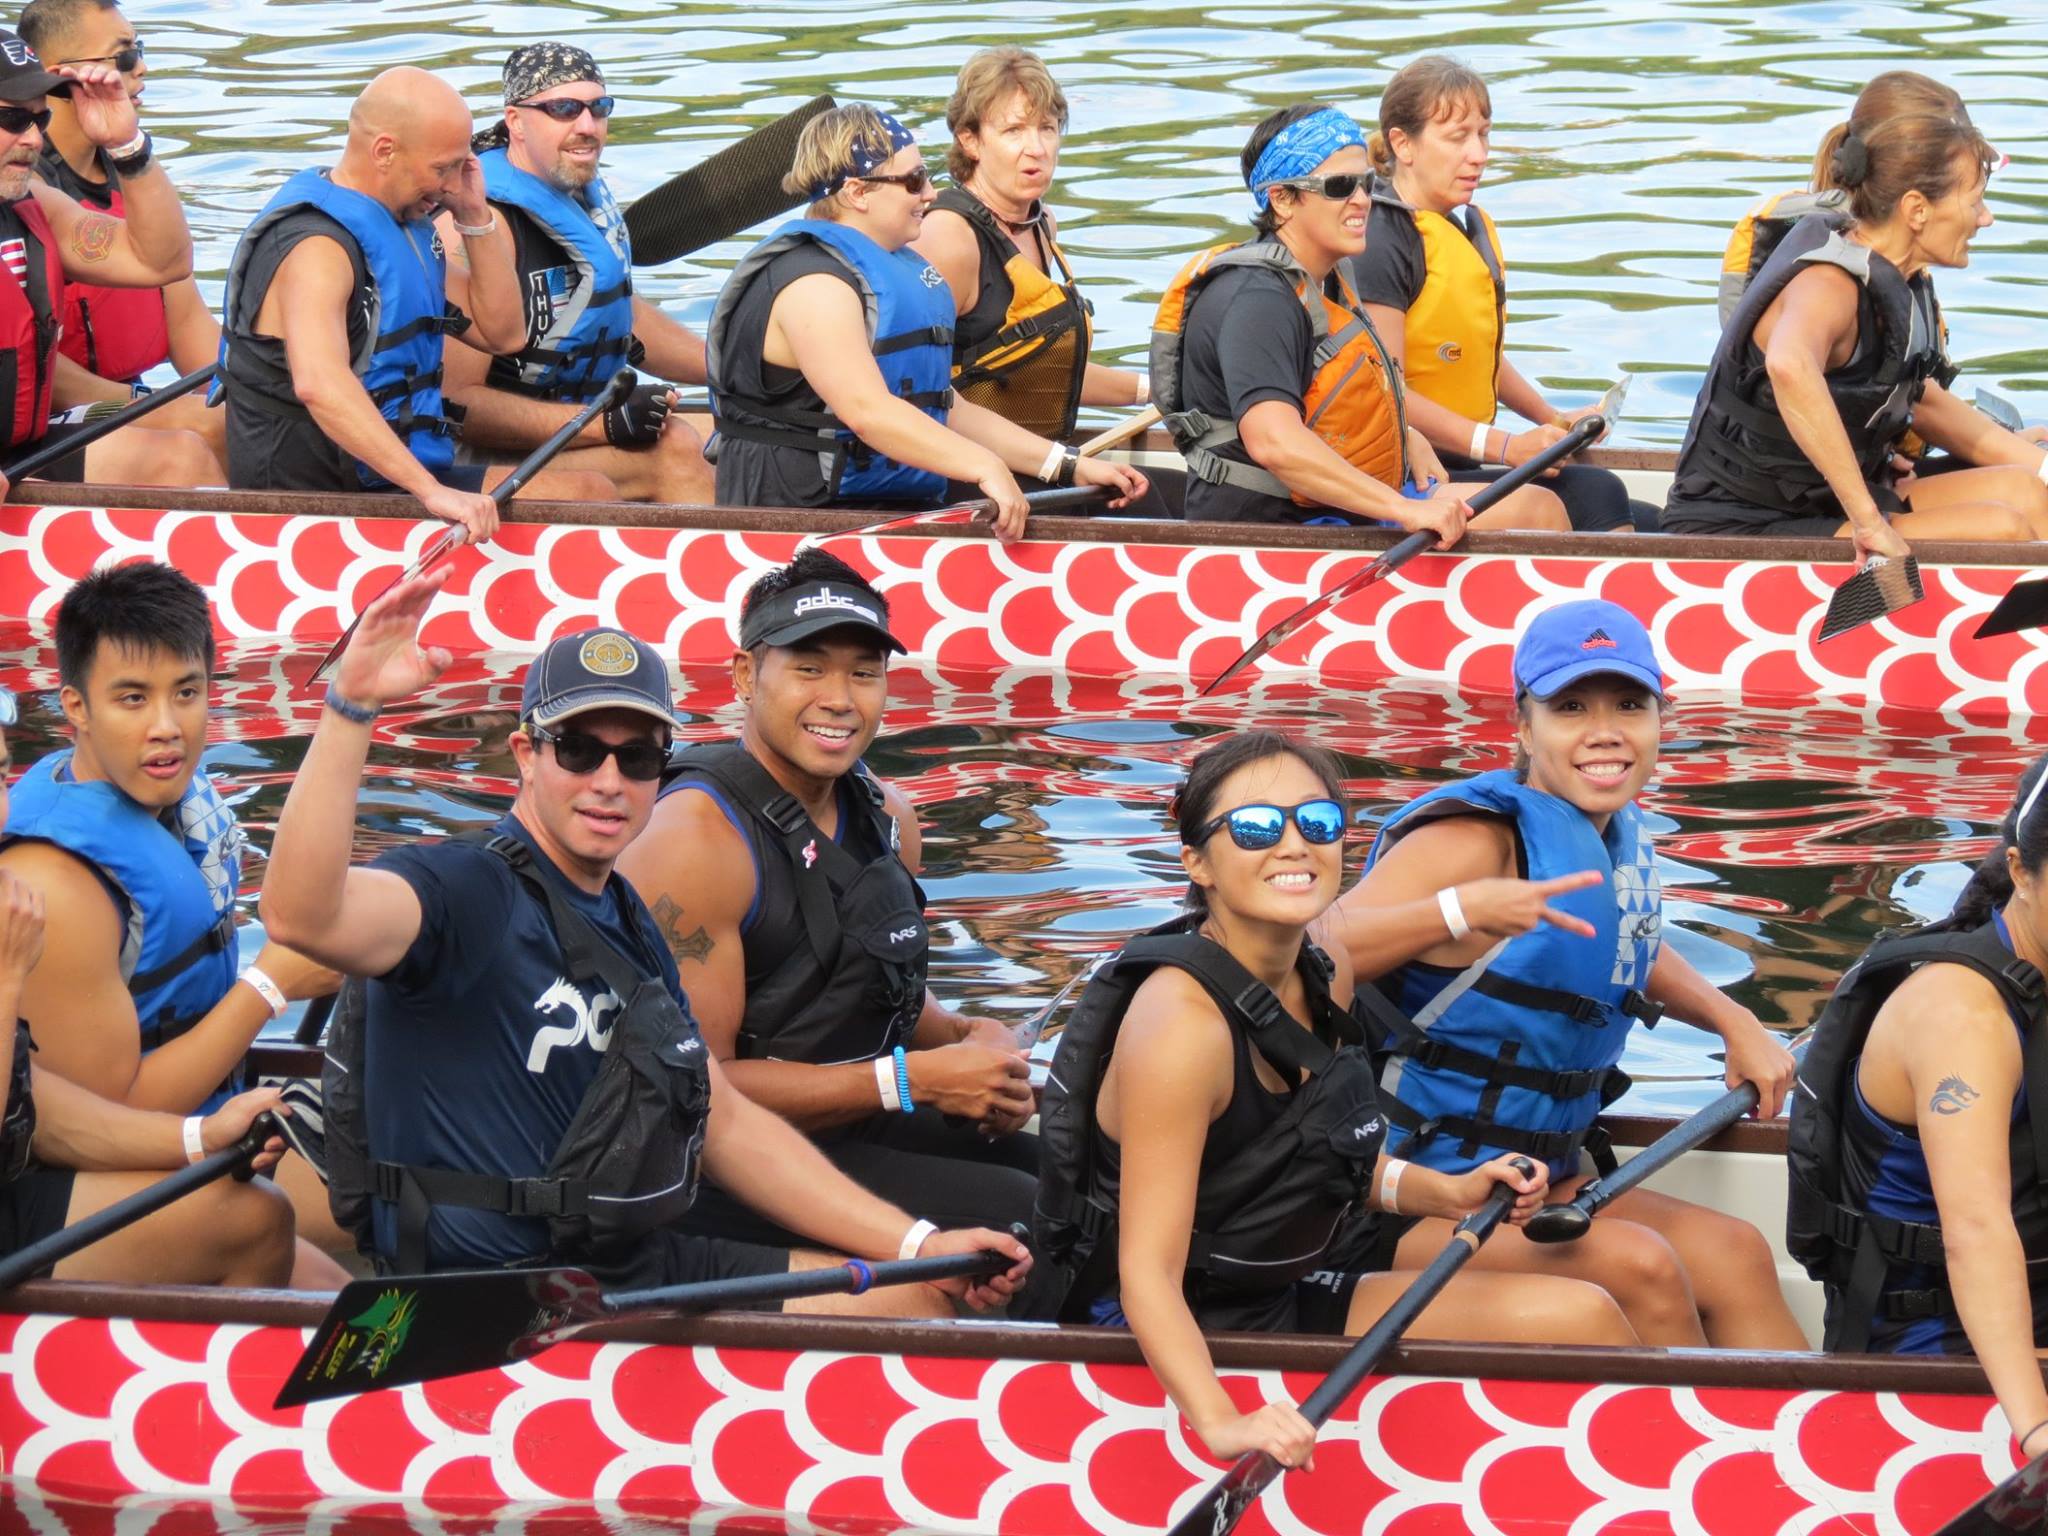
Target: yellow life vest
<point>1354,400</point>
<point>1030,370</point>
<point>1456,329</point>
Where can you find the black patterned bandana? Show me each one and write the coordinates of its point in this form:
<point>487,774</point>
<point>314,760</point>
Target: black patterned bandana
<point>540,66</point>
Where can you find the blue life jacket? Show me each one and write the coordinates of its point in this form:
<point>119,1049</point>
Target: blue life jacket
<point>910,329</point>
<point>178,882</point>
<point>1517,1052</point>
<point>580,328</point>
<point>399,361</point>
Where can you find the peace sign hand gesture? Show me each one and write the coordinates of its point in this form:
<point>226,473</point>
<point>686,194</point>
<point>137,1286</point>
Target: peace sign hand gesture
<point>1504,909</point>
<point>385,661</point>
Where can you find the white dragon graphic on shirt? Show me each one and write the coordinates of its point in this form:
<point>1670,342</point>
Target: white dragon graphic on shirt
<point>588,1024</point>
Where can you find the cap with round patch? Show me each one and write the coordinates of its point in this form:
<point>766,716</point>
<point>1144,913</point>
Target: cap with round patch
<point>596,669</point>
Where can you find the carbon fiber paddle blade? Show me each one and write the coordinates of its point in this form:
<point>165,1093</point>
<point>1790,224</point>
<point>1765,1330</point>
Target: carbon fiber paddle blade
<point>940,518</point>
<point>734,190</point>
<point>2020,1503</point>
<point>2024,606</point>
<point>1999,409</point>
<point>1218,1510</point>
<point>441,544</point>
<point>406,1328</point>
<point>1880,589</point>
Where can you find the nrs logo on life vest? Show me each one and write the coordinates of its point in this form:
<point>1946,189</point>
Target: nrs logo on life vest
<point>1449,351</point>
<point>825,597</point>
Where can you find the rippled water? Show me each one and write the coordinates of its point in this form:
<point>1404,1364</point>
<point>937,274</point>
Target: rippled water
<point>1629,135</point>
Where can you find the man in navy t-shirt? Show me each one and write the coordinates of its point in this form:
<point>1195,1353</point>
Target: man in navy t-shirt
<point>479,1046</point>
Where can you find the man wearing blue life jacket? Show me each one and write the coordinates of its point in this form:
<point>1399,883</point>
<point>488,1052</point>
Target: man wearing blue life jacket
<point>583,320</point>
<point>338,298</point>
<point>831,351</point>
<point>140,994</point>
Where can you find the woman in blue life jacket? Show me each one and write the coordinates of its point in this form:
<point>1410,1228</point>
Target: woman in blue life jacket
<point>1934,1132</point>
<point>1513,920</point>
<point>1185,1093</point>
<point>830,352</point>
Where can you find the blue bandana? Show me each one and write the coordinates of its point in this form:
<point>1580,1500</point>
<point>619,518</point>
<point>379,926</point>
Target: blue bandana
<point>1300,147</point>
<point>866,159</point>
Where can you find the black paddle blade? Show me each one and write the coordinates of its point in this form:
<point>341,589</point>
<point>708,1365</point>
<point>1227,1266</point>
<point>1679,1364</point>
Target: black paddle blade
<point>2025,606</point>
<point>1880,589</point>
<point>2020,1503</point>
<point>385,1333</point>
<point>1222,1506</point>
<point>734,190</point>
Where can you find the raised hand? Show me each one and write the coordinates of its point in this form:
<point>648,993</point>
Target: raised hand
<point>464,196</point>
<point>1505,908</point>
<point>385,660</point>
<point>100,98</point>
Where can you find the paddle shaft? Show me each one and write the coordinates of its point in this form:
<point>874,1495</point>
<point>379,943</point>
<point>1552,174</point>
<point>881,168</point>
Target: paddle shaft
<point>39,459</point>
<point>58,1246</point>
<point>748,1290</point>
<point>1121,433</point>
<point>1702,1125</point>
<point>617,389</point>
<point>313,1022</point>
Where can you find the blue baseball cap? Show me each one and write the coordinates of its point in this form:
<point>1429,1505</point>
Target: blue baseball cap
<point>1583,639</point>
<point>596,669</point>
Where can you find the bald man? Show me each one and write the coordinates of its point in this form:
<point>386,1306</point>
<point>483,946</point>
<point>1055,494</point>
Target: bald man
<point>338,298</point>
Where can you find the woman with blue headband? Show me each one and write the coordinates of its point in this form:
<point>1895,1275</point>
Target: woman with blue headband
<point>1280,394</point>
<point>830,352</point>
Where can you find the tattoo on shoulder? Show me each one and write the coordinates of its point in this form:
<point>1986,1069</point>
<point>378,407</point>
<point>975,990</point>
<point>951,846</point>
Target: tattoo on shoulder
<point>1952,1096</point>
<point>669,918</point>
<point>92,237</point>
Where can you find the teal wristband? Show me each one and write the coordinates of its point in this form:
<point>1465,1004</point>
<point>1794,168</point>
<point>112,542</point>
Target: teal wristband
<point>349,709</point>
<point>903,1084</point>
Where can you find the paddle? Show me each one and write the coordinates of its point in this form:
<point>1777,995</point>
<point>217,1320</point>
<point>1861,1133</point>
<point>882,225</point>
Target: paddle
<point>620,385</point>
<point>1219,1509</point>
<point>1122,432</point>
<point>1583,432</point>
<point>2000,410</point>
<point>983,511</point>
<point>406,1328</point>
<point>2020,1503</point>
<point>58,1246</point>
<point>1880,589</point>
<point>2024,606</point>
<point>1029,1031</point>
<point>314,1021</point>
<point>1568,1220</point>
<point>714,200</point>
<point>38,459</point>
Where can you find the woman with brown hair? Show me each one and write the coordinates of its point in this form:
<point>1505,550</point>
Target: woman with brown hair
<point>1835,352</point>
<point>1021,339</point>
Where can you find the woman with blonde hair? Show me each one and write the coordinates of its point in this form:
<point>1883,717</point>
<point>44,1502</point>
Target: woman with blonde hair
<point>830,350</point>
<point>1022,333</point>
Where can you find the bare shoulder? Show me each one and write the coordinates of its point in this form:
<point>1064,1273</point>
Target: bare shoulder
<point>70,888</point>
<point>1174,1030</point>
<point>689,844</point>
<point>1961,1000</point>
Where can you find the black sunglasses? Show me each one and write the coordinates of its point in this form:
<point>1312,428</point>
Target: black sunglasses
<point>126,61</point>
<point>1257,827</point>
<point>566,109</point>
<point>579,752</point>
<point>912,182</point>
<point>1337,189</point>
<point>20,119</point>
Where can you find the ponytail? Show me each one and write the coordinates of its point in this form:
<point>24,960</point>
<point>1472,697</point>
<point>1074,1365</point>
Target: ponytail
<point>1824,160</point>
<point>1379,153</point>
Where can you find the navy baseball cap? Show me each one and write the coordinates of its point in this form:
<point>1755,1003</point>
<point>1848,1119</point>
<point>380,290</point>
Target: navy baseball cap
<point>596,669</point>
<point>812,607</point>
<point>1583,639</point>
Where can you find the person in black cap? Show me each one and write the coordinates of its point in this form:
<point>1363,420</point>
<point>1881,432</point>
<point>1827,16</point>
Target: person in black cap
<point>47,240</point>
<point>583,320</point>
<point>781,874</point>
<point>531,1083</point>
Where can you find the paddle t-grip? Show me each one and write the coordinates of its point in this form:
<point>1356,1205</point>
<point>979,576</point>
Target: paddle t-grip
<point>1561,1223</point>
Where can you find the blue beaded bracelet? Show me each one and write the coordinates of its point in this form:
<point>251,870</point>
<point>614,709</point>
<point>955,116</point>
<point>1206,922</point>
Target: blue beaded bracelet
<point>903,1084</point>
<point>349,709</point>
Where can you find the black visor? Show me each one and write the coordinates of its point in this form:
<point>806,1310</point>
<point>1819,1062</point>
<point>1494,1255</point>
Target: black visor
<point>810,609</point>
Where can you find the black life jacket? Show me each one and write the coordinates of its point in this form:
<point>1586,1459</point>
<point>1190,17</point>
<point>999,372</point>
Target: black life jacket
<point>852,987</point>
<point>1854,1253</point>
<point>1264,1219</point>
<point>18,1125</point>
<point>1738,446</point>
<point>626,1166</point>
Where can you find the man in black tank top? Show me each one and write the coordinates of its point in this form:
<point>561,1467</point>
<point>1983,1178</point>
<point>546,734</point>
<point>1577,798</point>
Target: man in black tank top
<point>781,875</point>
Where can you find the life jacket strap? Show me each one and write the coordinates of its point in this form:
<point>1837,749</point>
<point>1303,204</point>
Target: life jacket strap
<point>1441,1056</point>
<point>1573,1005</point>
<point>1198,435</point>
<point>1548,1146</point>
<point>922,336</point>
<point>217,938</point>
<point>415,1191</point>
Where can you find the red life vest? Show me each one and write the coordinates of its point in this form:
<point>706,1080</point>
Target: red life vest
<point>31,298</point>
<point>117,333</point>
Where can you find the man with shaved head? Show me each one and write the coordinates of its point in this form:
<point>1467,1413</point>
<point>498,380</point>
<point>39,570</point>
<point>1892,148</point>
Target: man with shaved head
<point>338,298</point>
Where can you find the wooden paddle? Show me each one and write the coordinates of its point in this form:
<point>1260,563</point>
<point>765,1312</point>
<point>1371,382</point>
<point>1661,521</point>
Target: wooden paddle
<point>1219,1509</point>
<point>36,460</point>
<point>406,1328</point>
<point>1568,1220</point>
<point>451,537</point>
<point>2020,1503</point>
<point>1121,433</point>
<point>733,190</point>
<point>1582,433</point>
<point>58,1246</point>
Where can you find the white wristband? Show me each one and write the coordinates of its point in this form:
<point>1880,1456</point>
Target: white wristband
<point>195,1141</point>
<point>1454,912</point>
<point>1144,388</point>
<point>1050,469</point>
<point>914,1239</point>
<point>131,149</point>
<point>477,231</point>
<point>2041,469</point>
<point>885,1080</point>
<point>1480,434</point>
<point>271,993</point>
<point>1390,1185</point>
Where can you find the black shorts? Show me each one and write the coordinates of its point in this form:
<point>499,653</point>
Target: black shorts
<point>33,1207</point>
<point>679,1258</point>
<point>1705,519</point>
<point>457,477</point>
<point>1317,1303</point>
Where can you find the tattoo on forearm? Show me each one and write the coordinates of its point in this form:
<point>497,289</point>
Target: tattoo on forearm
<point>669,917</point>
<point>1952,1096</point>
<point>92,237</point>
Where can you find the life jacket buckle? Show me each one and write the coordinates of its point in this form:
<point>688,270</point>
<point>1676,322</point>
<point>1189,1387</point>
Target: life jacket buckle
<point>1637,1005</point>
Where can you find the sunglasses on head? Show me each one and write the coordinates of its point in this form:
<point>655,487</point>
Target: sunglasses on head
<point>579,752</point>
<point>566,109</point>
<point>127,60</point>
<point>1337,189</point>
<point>20,119</point>
<point>912,182</point>
<point>1257,827</point>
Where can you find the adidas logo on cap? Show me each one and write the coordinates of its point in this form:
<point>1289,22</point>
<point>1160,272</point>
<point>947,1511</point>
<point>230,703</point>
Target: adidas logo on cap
<point>1598,640</point>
